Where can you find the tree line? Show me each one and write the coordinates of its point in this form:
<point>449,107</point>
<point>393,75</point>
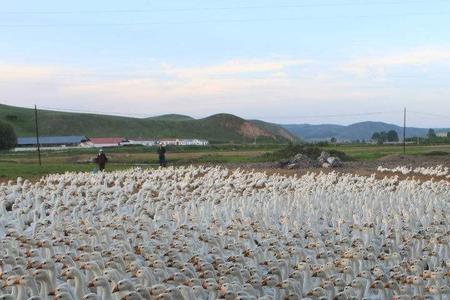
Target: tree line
<point>383,136</point>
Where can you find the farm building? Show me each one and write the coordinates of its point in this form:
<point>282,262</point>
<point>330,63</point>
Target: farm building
<point>141,142</point>
<point>193,142</point>
<point>183,142</point>
<point>442,134</point>
<point>105,142</point>
<point>168,141</point>
<point>51,141</point>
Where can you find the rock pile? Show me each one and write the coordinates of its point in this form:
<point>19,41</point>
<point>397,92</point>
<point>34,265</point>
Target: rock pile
<point>327,161</point>
<point>302,161</point>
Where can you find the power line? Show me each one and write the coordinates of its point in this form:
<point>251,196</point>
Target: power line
<point>330,115</point>
<point>94,112</point>
<point>144,11</point>
<point>249,20</point>
<point>277,117</point>
<point>293,117</point>
<point>431,115</point>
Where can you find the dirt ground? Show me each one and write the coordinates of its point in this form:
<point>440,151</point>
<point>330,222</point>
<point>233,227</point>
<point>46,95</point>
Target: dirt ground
<point>368,167</point>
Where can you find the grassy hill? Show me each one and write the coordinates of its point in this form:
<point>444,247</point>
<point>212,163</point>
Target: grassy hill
<point>220,128</point>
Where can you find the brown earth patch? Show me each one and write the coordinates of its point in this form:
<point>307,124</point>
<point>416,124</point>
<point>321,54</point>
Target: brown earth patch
<point>365,168</point>
<point>251,131</point>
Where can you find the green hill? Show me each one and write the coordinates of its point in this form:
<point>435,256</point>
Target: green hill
<point>220,128</point>
<point>172,117</point>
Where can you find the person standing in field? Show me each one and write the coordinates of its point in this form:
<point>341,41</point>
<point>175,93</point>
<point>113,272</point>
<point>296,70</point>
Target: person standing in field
<point>162,155</point>
<point>101,160</point>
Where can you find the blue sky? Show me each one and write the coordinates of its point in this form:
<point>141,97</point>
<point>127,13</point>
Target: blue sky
<point>323,61</point>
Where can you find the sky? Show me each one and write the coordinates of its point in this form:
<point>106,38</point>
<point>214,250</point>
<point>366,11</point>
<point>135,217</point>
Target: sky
<point>283,61</point>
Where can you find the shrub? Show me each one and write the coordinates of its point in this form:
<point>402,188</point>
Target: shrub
<point>437,153</point>
<point>310,150</point>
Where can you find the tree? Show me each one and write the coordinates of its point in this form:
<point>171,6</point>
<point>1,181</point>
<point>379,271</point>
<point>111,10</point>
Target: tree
<point>448,134</point>
<point>383,136</point>
<point>333,140</point>
<point>392,136</point>
<point>376,136</point>
<point>431,133</point>
<point>8,138</point>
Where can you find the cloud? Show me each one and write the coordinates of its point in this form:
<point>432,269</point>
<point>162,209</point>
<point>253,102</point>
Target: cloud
<point>17,72</point>
<point>235,67</point>
<point>419,57</point>
<point>251,87</point>
<point>175,82</point>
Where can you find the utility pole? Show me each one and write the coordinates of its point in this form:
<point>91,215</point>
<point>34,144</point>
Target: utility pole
<point>37,134</point>
<point>404,131</point>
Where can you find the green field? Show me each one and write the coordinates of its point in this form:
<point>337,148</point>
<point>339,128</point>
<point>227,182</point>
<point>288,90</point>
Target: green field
<point>368,152</point>
<point>25,164</point>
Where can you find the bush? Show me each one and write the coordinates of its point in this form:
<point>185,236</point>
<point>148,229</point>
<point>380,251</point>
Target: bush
<point>292,149</point>
<point>8,138</point>
<point>312,151</point>
<point>436,153</point>
<point>342,155</point>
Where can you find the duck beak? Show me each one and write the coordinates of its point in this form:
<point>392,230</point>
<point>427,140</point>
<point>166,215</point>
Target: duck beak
<point>91,285</point>
<point>279,285</point>
<point>115,289</point>
<point>52,293</point>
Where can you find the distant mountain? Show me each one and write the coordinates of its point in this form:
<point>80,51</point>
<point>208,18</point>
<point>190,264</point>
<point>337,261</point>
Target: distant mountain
<point>357,131</point>
<point>220,128</point>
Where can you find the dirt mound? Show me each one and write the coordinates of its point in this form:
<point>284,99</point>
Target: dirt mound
<point>303,161</point>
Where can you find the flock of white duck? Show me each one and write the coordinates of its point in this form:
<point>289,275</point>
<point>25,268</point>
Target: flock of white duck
<point>210,233</point>
<point>438,171</point>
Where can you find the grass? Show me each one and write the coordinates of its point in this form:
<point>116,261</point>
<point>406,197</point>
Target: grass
<point>13,165</point>
<point>122,157</point>
<point>34,171</point>
<point>371,152</point>
<point>25,164</point>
